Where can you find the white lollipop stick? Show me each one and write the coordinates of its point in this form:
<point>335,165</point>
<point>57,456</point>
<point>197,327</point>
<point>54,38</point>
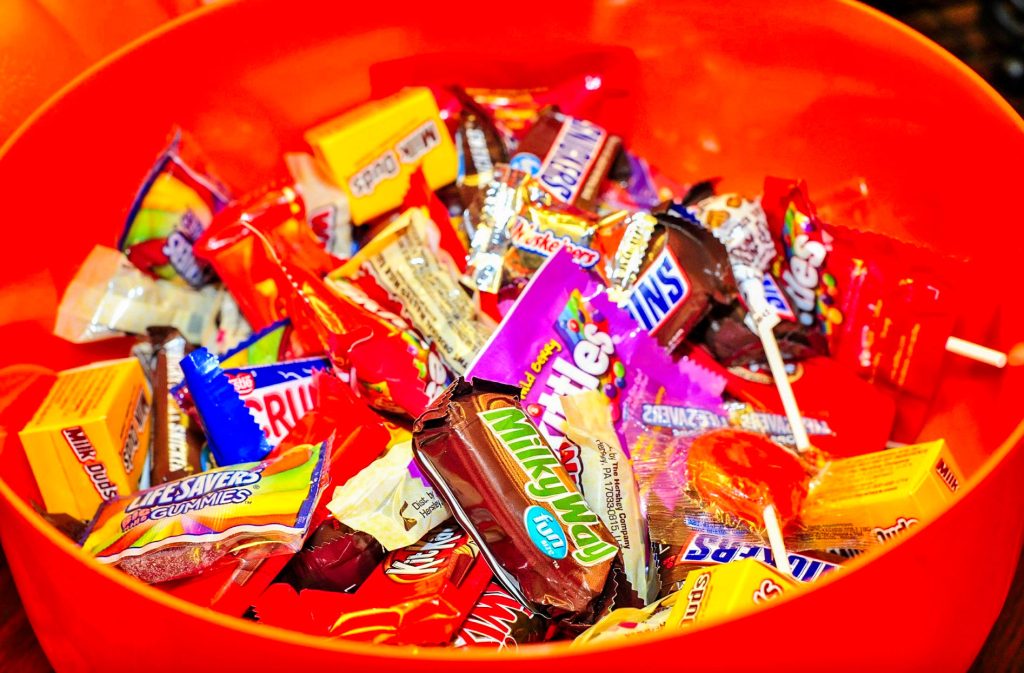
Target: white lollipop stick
<point>771,524</point>
<point>778,367</point>
<point>976,352</point>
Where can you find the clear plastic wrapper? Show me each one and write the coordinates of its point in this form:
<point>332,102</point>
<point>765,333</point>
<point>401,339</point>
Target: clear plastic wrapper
<point>110,297</point>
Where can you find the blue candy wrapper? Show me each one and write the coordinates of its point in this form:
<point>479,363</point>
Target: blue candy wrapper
<point>247,411</point>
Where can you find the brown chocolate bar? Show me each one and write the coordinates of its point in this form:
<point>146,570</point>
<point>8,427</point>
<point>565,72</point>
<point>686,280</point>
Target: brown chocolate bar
<point>177,439</point>
<point>568,156</point>
<point>670,274</point>
<point>479,145</point>
<point>506,486</point>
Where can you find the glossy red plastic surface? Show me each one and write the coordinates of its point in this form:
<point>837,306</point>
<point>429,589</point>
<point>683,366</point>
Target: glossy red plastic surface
<point>45,43</point>
<point>828,91</point>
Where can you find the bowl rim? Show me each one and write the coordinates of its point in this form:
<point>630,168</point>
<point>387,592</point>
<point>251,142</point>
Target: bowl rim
<point>534,652</point>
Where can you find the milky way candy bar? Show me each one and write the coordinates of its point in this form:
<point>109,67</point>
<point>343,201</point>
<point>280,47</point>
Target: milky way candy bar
<point>507,487</point>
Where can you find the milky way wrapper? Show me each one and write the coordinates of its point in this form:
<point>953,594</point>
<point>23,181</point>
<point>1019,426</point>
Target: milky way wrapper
<point>607,482</point>
<point>506,486</point>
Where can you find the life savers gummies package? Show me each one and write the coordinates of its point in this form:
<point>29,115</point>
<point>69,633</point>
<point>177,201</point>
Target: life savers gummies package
<point>184,527</point>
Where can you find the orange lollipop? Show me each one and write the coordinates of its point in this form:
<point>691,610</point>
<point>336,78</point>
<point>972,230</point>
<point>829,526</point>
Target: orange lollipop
<point>751,478</point>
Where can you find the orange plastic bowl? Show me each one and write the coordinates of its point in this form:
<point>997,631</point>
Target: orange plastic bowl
<point>830,91</point>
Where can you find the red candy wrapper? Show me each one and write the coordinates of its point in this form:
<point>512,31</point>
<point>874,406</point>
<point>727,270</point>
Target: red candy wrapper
<point>886,306</point>
<point>897,306</point>
<point>500,622</point>
<point>419,595</point>
<point>394,367</point>
<point>242,244</point>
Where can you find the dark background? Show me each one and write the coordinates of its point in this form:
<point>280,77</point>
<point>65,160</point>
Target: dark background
<point>987,35</point>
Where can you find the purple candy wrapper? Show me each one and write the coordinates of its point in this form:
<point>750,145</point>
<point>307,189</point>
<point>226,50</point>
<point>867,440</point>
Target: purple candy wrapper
<point>552,343</point>
<point>641,185</point>
<point>565,336</point>
<point>660,388</point>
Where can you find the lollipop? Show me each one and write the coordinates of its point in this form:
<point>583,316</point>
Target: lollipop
<point>747,477</point>
<point>742,227</point>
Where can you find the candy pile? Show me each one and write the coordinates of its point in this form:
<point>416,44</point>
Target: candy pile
<point>478,375</point>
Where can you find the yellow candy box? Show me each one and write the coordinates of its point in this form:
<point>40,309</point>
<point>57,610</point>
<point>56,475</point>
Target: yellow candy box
<point>727,591</point>
<point>371,151</point>
<point>719,592</point>
<point>88,440</point>
<point>884,493</point>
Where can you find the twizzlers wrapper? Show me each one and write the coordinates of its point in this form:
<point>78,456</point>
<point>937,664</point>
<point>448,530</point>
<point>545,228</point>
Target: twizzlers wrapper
<point>504,484</point>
